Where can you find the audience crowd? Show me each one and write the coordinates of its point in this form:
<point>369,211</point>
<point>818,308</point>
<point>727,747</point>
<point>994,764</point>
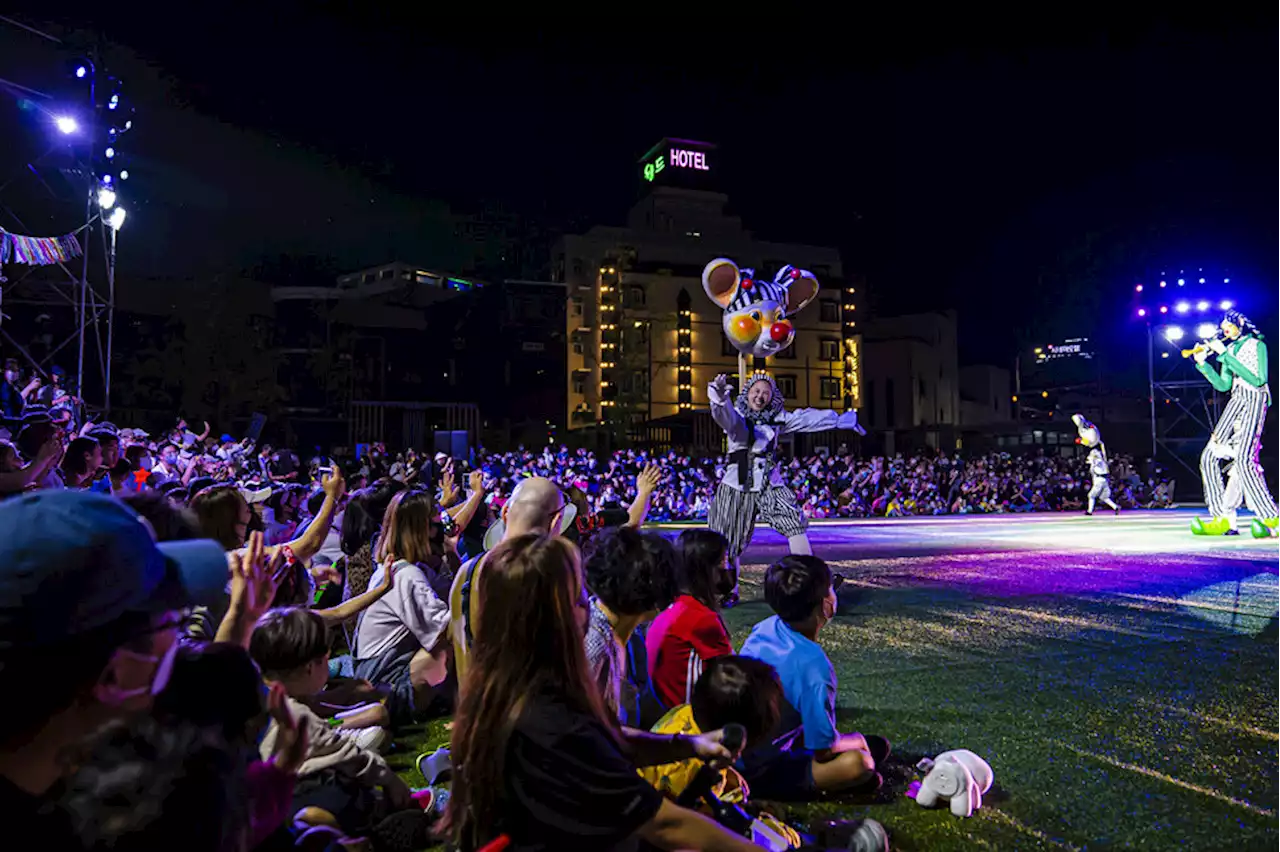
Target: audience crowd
<point>211,645</point>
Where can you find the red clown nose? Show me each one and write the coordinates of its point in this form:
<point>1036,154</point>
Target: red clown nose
<point>780,331</point>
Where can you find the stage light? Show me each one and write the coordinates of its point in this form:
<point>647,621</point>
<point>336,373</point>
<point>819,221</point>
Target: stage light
<point>124,174</point>
<point>1162,283</point>
<point>1164,354</point>
<point>1164,309</point>
<point>1182,307</point>
<point>1203,305</point>
<point>114,102</point>
<point>1201,280</point>
<point>1173,333</point>
<point>1138,288</point>
<point>66,124</point>
<point>106,198</point>
<point>128,125</point>
<point>110,152</point>
<point>81,71</point>
<point>1206,330</point>
<point>116,219</point>
<point>1181,282</point>
<point>1226,280</point>
<point>106,180</point>
<point>1225,305</point>
<point>1142,312</point>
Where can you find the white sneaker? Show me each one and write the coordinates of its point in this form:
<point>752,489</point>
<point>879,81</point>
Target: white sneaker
<point>374,739</point>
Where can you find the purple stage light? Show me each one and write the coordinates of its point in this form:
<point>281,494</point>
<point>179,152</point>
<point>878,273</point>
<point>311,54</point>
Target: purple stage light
<point>81,71</point>
<point>1206,329</point>
<point>66,124</point>
<point>1162,283</point>
<point>1142,312</point>
<point>1182,307</point>
<point>1164,309</point>
<point>1225,305</point>
<point>1201,280</point>
<point>1138,288</point>
<point>1181,282</point>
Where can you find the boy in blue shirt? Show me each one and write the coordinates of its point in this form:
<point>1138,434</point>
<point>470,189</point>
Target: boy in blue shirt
<point>811,757</point>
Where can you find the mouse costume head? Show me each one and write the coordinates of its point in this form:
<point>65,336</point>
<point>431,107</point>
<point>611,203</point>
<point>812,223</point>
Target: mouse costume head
<point>1088,434</point>
<point>766,392</point>
<point>757,312</point>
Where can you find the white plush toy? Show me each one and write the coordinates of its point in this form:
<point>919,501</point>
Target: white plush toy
<point>960,776</point>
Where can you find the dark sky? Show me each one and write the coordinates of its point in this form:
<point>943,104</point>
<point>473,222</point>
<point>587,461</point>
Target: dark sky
<point>953,161</point>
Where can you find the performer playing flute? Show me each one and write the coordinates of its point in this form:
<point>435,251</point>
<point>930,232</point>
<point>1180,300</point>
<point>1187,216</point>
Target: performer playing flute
<point>1237,436</point>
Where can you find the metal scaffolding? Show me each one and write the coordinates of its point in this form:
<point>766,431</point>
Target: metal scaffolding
<point>62,313</point>
<point>1193,403</point>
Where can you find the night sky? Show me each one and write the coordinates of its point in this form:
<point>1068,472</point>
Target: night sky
<point>956,163</point>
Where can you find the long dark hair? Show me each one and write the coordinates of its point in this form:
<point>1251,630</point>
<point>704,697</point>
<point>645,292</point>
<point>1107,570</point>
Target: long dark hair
<point>359,523</point>
<point>528,642</point>
<point>701,565</point>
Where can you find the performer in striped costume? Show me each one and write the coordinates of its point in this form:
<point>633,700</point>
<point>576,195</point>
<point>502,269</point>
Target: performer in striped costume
<point>1237,437</point>
<point>1091,437</point>
<point>752,485</point>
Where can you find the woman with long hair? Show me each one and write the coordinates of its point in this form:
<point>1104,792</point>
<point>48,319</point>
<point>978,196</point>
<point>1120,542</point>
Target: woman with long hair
<point>537,759</point>
<point>402,639</point>
<point>689,632</point>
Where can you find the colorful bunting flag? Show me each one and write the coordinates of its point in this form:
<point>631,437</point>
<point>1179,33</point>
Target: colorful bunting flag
<point>37,251</point>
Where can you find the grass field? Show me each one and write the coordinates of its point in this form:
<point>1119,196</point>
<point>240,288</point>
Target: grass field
<point>1138,720</point>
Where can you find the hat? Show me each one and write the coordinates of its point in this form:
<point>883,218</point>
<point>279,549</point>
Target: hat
<point>74,561</point>
<point>227,439</point>
<point>498,529</point>
<point>254,492</point>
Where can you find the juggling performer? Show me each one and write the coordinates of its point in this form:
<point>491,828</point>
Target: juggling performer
<point>1237,436</point>
<point>1099,469</point>
<point>755,321</point>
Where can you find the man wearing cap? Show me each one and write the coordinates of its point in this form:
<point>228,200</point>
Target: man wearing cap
<point>89,621</point>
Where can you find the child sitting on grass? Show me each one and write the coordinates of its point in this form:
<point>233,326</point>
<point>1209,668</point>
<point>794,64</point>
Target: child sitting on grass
<point>731,690</point>
<point>812,757</point>
<point>338,782</point>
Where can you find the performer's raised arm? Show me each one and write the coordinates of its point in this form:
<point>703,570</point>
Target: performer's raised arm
<point>722,410</point>
<point>819,420</point>
<point>1220,379</point>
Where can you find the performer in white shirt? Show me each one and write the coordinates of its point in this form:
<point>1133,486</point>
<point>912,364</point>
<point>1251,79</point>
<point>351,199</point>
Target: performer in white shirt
<point>752,485</point>
<point>1099,468</point>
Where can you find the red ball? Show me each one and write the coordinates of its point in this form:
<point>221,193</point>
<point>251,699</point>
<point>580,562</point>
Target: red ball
<point>780,331</point>
<point>746,284</point>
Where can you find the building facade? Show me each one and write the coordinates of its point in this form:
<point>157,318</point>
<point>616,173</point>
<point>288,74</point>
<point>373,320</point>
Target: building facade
<point>644,340</point>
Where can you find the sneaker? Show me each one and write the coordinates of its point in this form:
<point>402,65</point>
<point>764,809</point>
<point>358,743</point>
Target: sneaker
<point>436,767</point>
<point>403,831</point>
<point>1262,527</point>
<point>374,739</point>
<point>870,836</point>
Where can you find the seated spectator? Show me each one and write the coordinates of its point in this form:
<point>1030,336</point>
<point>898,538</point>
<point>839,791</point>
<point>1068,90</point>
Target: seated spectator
<point>538,760</point>
<point>351,784</point>
<point>632,575</point>
<point>687,634</point>
<point>99,604</point>
<point>402,640</point>
<point>812,756</point>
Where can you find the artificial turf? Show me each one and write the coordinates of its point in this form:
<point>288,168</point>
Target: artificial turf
<point>1138,721</point>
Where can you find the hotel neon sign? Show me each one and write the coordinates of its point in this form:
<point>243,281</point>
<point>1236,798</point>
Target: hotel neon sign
<point>680,158</point>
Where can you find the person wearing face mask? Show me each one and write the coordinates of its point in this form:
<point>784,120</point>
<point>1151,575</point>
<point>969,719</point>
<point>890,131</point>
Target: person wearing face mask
<point>752,484</point>
<point>807,756</point>
<point>89,622</point>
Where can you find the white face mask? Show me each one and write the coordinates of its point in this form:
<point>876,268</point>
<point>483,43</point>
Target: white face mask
<point>159,680</point>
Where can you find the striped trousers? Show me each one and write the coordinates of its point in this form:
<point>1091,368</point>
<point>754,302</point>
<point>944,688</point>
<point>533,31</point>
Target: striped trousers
<point>1240,430</point>
<point>733,514</point>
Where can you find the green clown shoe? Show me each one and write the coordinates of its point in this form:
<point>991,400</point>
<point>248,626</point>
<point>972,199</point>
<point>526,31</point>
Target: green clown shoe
<point>1264,527</point>
<point>1214,526</point>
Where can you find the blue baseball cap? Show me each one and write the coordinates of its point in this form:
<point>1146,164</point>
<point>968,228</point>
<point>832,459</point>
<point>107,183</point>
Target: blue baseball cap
<point>72,562</point>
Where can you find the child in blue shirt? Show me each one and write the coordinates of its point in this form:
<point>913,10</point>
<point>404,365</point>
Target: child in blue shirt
<point>810,757</point>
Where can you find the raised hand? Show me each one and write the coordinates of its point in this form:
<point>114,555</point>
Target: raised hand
<point>448,487</point>
<point>334,484</point>
<point>475,481</point>
<point>647,481</point>
<point>720,384</point>
<point>255,577</point>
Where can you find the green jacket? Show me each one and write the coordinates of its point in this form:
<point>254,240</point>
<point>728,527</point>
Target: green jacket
<point>1245,357</point>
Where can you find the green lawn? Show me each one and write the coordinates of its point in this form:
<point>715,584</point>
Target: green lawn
<point>1110,721</point>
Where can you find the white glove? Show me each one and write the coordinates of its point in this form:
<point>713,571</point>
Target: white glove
<point>849,420</point>
<point>1217,346</point>
<point>718,390</point>
<point>1201,356</point>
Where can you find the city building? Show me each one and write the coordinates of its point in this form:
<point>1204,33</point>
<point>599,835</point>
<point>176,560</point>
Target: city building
<point>912,381</point>
<point>643,338</point>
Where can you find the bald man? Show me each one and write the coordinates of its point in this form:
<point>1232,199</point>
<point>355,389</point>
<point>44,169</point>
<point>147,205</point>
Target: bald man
<point>535,506</point>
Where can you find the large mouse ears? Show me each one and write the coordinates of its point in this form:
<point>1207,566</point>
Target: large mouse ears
<point>720,280</point>
<point>802,287</point>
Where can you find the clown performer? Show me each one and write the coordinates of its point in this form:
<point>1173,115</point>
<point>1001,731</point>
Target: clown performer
<point>752,485</point>
<point>1099,469</point>
<point>1237,436</point>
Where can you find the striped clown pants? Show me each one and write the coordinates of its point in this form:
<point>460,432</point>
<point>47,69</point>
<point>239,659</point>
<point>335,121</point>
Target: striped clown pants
<point>1238,435</point>
<point>733,514</point>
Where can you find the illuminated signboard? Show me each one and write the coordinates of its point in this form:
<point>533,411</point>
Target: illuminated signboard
<point>853,371</point>
<point>1076,347</point>
<point>678,162</point>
